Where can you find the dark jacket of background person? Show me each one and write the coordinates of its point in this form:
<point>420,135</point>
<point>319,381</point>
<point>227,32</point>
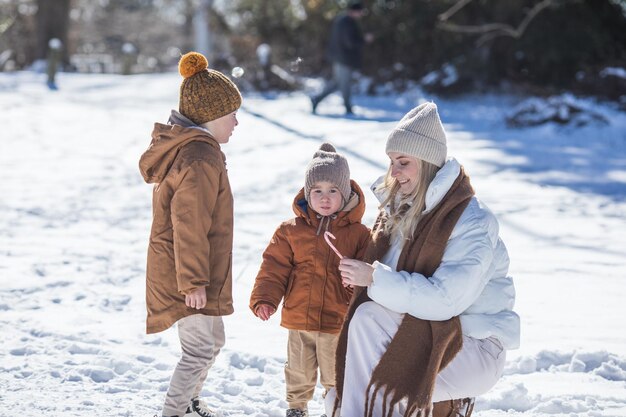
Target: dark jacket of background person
<point>346,41</point>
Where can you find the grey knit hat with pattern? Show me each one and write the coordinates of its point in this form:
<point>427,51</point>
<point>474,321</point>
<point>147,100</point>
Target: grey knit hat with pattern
<point>327,165</point>
<point>420,134</point>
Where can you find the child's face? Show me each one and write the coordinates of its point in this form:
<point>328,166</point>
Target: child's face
<point>405,169</point>
<point>223,127</point>
<point>325,198</point>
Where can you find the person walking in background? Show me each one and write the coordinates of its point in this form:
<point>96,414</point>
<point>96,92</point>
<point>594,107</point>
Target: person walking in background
<point>345,50</point>
<point>431,317</point>
<point>301,269</point>
<point>188,276</point>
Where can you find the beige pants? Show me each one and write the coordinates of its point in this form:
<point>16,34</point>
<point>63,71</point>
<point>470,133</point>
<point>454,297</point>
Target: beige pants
<point>306,351</point>
<point>201,338</point>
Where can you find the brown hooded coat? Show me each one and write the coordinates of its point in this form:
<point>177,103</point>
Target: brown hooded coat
<point>192,228</point>
<point>299,267</point>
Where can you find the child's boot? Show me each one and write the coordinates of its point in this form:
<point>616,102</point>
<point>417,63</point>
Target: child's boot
<point>296,412</point>
<point>199,408</point>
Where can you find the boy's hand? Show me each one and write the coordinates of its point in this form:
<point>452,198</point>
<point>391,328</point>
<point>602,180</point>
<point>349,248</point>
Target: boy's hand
<point>196,299</point>
<point>264,311</point>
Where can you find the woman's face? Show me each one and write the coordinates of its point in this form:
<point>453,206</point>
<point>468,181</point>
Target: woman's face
<point>223,127</point>
<point>404,169</point>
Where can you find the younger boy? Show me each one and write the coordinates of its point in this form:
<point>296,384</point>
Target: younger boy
<point>301,269</point>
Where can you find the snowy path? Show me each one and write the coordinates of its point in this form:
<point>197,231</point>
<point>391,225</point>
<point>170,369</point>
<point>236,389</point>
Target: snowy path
<point>75,217</point>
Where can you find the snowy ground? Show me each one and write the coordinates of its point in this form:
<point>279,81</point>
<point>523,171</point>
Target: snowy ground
<point>75,217</point>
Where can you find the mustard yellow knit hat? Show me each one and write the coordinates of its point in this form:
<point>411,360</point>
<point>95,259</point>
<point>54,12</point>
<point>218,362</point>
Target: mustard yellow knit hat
<point>205,94</point>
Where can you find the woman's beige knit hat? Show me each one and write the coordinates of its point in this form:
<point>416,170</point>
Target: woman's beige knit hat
<point>205,94</point>
<point>327,165</point>
<point>420,134</point>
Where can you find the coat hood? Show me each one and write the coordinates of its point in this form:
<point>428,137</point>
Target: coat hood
<point>167,139</point>
<point>351,213</point>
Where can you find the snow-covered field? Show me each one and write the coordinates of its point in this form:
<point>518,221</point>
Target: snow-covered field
<point>75,217</point>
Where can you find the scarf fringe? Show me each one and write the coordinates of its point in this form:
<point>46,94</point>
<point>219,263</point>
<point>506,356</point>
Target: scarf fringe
<point>413,409</point>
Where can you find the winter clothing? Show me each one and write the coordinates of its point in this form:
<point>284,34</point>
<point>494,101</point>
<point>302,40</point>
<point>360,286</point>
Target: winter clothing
<point>420,134</point>
<point>346,41</point>
<point>345,50</point>
<point>327,165</point>
<point>473,371</point>
<point>201,338</point>
<point>191,241</point>
<point>205,94</point>
<point>479,292</point>
<point>468,281</point>
<point>427,346</point>
<point>307,351</point>
<point>192,229</point>
<point>300,267</point>
<point>296,412</point>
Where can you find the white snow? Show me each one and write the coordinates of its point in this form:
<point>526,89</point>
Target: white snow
<point>614,71</point>
<point>75,217</point>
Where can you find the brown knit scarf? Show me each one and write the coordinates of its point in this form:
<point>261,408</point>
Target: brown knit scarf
<point>420,348</point>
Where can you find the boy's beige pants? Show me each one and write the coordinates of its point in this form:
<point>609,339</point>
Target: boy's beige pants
<point>201,338</point>
<point>306,351</point>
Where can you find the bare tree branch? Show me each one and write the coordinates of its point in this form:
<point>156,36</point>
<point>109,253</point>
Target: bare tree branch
<point>452,10</point>
<point>6,24</point>
<point>490,31</point>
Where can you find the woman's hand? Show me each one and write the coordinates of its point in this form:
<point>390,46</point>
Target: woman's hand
<point>196,299</point>
<point>264,311</point>
<point>356,273</point>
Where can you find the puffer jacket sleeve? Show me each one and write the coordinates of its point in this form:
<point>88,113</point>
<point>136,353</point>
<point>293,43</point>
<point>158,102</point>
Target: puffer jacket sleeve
<point>466,266</point>
<point>272,280</point>
<point>192,209</point>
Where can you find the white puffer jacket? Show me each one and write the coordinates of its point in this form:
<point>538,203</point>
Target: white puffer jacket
<point>471,280</point>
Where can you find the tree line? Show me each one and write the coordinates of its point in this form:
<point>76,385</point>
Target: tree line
<point>451,46</point>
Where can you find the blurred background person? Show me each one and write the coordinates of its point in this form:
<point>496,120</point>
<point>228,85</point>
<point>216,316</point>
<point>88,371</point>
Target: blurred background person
<point>345,51</point>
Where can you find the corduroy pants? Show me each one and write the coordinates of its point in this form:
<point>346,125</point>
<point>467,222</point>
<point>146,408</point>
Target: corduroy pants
<point>201,338</point>
<point>307,351</point>
<point>472,372</point>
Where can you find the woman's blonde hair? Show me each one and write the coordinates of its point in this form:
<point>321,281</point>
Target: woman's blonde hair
<point>406,210</point>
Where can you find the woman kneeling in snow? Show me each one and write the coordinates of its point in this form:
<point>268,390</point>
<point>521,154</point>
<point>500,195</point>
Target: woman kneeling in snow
<point>431,317</point>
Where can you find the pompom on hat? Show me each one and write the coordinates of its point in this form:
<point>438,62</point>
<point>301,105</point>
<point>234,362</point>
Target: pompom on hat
<point>327,165</point>
<point>205,94</point>
<point>420,134</point>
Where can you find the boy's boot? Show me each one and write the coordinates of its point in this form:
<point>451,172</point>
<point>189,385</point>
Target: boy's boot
<point>198,408</point>
<point>296,412</point>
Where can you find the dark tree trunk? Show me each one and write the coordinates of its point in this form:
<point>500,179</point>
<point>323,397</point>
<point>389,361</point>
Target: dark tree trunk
<point>52,22</point>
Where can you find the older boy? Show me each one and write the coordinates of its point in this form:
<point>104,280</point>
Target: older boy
<point>188,277</point>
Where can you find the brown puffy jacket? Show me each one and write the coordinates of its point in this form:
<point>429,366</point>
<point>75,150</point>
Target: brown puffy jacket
<point>300,267</point>
<point>192,227</point>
